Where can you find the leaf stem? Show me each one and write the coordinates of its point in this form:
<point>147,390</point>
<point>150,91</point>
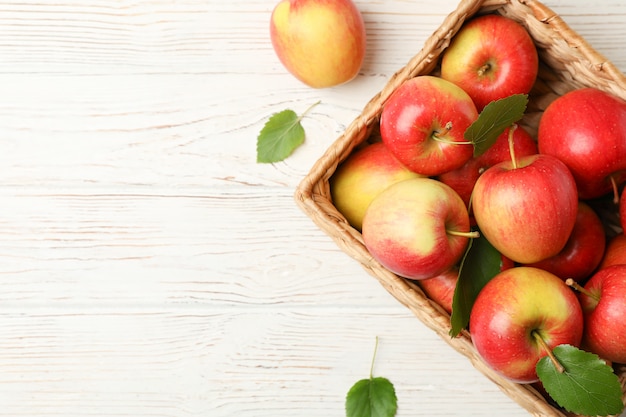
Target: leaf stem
<point>309,109</point>
<point>436,135</point>
<point>512,145</point>
<point>373,359</point>
<point>559,368</point>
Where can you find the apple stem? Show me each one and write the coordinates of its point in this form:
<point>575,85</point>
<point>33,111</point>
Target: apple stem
<point>581,289</point>
<point>482,70</point>
<point>470,235</point>
<point>615,190</point>
<point>512,145</point>
<point>559,368</point>
<point>446,129</point>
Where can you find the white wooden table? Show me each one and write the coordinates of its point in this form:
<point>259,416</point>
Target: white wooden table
<point>150,267</point>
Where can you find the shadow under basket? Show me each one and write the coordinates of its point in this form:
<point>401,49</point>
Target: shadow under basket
<point>567,62</point>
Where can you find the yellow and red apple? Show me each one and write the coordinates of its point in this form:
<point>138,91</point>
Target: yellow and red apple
<point>526,208</point>
<point>320,42</point>
<point>417,228</point>
<point>361,177</point>
<point>516,313</point>
<point>423,124</point>
<point>491,57</point>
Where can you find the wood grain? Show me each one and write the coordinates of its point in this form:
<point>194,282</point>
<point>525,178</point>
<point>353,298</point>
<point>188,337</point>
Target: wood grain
<point>149,266</point>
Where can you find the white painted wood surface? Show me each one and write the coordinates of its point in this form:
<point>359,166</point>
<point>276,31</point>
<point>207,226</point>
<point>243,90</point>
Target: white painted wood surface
<point>149,266</point>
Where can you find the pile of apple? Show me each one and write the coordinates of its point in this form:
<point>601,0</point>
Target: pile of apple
<point>419,195</point>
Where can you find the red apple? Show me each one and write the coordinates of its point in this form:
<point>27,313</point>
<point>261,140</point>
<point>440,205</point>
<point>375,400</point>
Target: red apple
<point>320,42</point>
<point>615,252</point>
<point>586,130</point>
<point>440,288</point>
<point>463,179</point>
<point>604,306</point>
<point>527,209</point>
<point>518,311</point>
<point>423,123</point>
<point>417,228</point>
<point>491,57</point>
<point>583,251</point>
<point>361,177</point>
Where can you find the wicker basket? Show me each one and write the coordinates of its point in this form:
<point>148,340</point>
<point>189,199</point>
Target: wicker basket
<point>566,62</point>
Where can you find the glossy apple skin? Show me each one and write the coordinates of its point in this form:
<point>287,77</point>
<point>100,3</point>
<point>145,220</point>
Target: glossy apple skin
<point>463,179</point>
<point>361,177</point>
<point>510,307</point>
<point>586,129</point>
<point>417,111</point>
<point>605,327</point>
<point>491,57</point>
<point>583,251</point>
<point>529,212</point>
<point>440,288</point>
<point>321,42</point>
<point>405,228</point>
<point>615,252</point>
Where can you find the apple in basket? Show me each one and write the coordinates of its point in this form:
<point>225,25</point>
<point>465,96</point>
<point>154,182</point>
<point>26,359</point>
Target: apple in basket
<point>491,57</point>
<point>603,301</point>
<point>361,177</point>
<point>320,42</point>
<point>463,179</point>
<point>615,252</point>
<point>417,228</point>
<point>440,288</point>
<point>586,130</point>
<point>423,124</point>
<point>583,251</point>
<point>520,315</point>
<point>526,207</point>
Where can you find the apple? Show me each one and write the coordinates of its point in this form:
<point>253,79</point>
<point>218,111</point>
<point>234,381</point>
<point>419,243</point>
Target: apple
<point>615,252</point>
<point>491,57</point>
<point>526,208</point>
<point>520,315</point>
<point>321,42</point>
<point>417,228</point>
<point>586,130</point>
<point>583,251</point>
<point>463,179</point>
<point>361,177</point>
<point>440,288</point>
<point>423,124</point>
<point>603,300</point>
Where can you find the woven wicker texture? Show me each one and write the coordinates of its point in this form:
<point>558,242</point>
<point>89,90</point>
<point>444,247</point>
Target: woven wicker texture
<point>567,62</point>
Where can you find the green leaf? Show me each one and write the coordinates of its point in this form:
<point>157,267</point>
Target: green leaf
<point>373,397</point>
<point>481,263</point>
<point>588,385</point>
<point>493,121</point>
<point>280,136</point>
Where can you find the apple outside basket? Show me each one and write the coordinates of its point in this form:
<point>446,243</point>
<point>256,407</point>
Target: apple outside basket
<point>567,62</point>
